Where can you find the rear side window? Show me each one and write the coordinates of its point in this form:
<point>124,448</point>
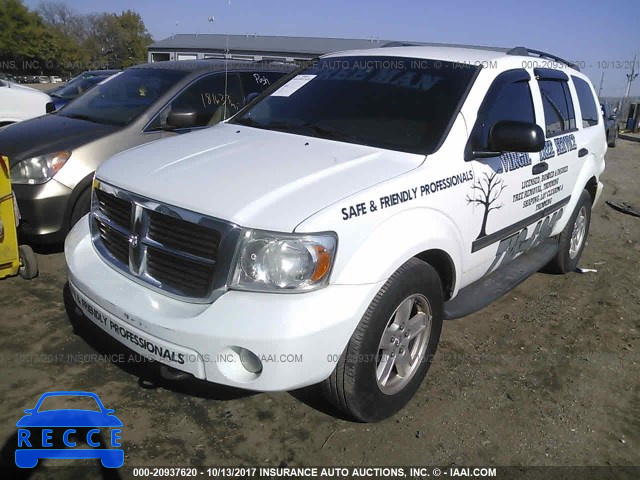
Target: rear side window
<point>559,115</point>
<point>588,106</point>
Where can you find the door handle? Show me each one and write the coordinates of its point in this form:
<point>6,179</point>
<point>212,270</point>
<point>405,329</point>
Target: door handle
<point>539,168</point>
<point>582,152</point>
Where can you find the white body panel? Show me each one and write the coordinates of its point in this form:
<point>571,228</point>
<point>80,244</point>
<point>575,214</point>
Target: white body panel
<point>18,102</point>
<point>385,207</point>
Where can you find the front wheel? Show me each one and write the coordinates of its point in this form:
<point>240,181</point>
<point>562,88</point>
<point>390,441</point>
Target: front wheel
<point>391,350</point>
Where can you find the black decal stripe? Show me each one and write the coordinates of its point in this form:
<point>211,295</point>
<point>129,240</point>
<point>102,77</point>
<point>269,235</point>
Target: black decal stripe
<point>516,227</point>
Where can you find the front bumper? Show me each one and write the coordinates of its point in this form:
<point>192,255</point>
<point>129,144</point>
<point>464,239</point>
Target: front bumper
<point>297,337</point>
<point>42,210</point>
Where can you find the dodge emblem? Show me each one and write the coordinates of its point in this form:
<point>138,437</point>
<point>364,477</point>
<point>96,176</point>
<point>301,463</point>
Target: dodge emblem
<point>133,240</point>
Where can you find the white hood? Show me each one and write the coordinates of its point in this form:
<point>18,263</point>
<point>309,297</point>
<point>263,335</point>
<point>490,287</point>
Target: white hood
<point>252,177</point>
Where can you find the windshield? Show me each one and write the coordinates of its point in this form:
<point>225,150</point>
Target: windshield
<point>396,103</point>
<point>124,97</point>
<point>71,91</point>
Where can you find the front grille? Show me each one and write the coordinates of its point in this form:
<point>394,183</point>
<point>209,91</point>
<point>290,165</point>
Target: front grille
<point>115,242</point>
<point>191,238</point>
<point>168,248</point>
<point>179,273</point>
<point>114,208</point>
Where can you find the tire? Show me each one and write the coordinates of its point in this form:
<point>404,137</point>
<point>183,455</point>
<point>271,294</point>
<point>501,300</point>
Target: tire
<point>81,208</point>
<point>28,263</point>
<point>568,256</point>
<point>612,143</point>
<point>354,387</point>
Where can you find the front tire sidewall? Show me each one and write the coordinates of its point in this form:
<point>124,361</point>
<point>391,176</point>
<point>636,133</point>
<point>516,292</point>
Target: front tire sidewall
<point>365,399</point>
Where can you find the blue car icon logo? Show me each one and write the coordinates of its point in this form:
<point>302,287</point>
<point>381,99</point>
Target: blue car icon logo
<point>63,432</point>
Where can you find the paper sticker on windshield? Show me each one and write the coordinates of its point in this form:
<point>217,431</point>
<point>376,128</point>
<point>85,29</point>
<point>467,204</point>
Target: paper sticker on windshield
<point>293,85</point>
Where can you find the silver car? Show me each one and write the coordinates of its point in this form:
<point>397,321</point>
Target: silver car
<point>53,157</point>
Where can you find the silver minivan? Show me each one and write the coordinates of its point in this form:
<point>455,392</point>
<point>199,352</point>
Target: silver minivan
<point>53,157</point>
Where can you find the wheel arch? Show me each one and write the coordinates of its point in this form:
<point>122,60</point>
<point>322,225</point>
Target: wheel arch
<point>78,190</point>
<point>443,264</point>
<point>592,188</point>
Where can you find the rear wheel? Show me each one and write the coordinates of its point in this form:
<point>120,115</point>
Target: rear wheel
<point>573,238</point>
<point>612,142</point>
<point>391,350</point>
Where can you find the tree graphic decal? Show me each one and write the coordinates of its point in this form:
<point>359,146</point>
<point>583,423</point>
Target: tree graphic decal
<point>485,192</point>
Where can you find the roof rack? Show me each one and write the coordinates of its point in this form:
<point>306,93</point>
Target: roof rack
<point>401,44</point>
<point>276,60</point>
<point>529,52</point>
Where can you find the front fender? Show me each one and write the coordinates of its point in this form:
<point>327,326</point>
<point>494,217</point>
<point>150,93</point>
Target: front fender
<point>396,240</point>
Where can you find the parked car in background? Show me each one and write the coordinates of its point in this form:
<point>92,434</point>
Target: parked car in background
<point>18,103</point>
<point>611,126</point>
<point>55,79</point>
<point>43,79</point>
<point>8,77</point>
<point>62,96</point>
<point>53,158</point>
<point>84,76</point>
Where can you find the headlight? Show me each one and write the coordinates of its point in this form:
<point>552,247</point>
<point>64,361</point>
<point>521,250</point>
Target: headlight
<point>40,169</point>
<point>275,262</point>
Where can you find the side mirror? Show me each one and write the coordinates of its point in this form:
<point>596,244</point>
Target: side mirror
<point>613,117</point>
<point>250,97</point>
<point>178,119</point>
<point>511,136</point>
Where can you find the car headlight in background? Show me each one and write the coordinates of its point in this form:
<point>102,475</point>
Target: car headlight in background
<point>37,170</point>
<point>280,262</point>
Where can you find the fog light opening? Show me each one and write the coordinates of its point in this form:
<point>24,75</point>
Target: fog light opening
<point>250,361</point>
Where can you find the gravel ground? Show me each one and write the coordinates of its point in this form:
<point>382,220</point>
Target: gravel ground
<point>548,375</point>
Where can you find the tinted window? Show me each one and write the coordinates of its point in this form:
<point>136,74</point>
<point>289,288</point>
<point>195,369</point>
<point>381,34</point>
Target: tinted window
<point>77,88</point>
<point>123,97</point>
<point>511,102</point>
<point>558,106</point>
<point>588,106</point>
<point>388,102</point>
<point>257,82</point>
<point>207,97</point>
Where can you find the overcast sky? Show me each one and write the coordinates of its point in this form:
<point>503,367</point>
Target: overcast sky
<point>588,31</point>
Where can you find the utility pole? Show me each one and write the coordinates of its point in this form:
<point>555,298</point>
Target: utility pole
<point>601,82</point>
<point>631,77</point>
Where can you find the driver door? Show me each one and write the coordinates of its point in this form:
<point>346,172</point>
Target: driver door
<point>506,187</point>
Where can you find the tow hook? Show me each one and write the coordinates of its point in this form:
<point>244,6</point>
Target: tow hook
<point>169,373</point>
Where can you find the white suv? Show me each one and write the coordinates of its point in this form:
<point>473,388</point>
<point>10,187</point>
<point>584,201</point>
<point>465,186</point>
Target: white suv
<point>325,232</point>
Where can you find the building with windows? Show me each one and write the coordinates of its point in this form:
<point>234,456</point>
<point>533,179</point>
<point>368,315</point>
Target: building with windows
<point>251,47</point>
<point>260,47</point>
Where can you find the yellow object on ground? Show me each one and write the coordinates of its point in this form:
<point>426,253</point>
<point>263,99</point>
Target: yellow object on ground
<point>13,259</point>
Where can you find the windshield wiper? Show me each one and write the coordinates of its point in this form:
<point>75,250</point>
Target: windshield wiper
<point>299,128</point>
<point>247,122</point>
<point>79,116</point>
<point>328,133</point>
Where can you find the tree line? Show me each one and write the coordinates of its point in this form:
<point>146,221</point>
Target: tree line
<point>58,41</point>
